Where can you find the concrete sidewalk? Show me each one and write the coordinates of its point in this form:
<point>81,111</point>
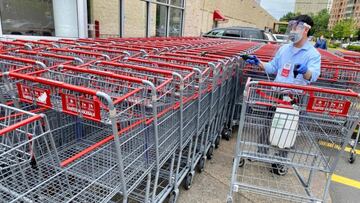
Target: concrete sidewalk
<point>212,185</point>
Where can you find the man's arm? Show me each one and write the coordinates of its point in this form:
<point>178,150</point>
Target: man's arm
<point>314,67</point>
<point>272,66</point>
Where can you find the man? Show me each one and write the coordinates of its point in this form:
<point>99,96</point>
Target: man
<point>321,43</point>
<point>294,63</point>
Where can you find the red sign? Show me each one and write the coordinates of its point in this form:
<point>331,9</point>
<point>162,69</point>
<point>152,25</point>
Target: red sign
<point>31,94</point>
<point>333,107</point>
<point>79,106</point>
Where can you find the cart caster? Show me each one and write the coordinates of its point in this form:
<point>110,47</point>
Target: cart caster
<point>188,181</point>
<point>352,157</point>
<point>210,152</point>
<point>173,196</point>
<point>201,165</point>
<point>229,200</point>
<point>217,142</point>
<point>226,133</point>
<point>33,163</point>
<point>242,162</point>
<point>279,169</point>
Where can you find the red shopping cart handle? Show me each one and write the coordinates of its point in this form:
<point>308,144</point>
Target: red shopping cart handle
<point>19,124</point>
<point>309,88</point>
<point>13,58</point>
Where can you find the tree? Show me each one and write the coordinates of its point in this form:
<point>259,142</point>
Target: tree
<point>321,21</point>
<point>289,16</point>
<point>344,29</point>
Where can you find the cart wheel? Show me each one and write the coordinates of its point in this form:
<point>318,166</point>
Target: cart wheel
<point>201,165</point>
<point>242,162</point>
<point>352,157</point>
<point>188,181</point>
<point>210,152</point>
<point>33,163</point>
<point>279,169</point>
<point>217,142</point>
<point>226,133</point>
<point>173,196</point>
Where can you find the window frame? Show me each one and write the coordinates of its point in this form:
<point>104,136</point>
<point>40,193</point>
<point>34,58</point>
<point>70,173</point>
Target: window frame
<point>81,7</point>
<point>168,6</point>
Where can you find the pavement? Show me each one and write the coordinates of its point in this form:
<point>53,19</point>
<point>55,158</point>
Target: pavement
<point>212,185</point>
<point>345,187</point>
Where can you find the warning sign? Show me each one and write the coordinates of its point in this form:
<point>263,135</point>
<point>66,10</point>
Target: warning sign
<point>325,105</point>
<point>79,106</point>
<point>31,94</point>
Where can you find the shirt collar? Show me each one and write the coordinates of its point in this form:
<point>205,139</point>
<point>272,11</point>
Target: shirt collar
<point>306,46</point>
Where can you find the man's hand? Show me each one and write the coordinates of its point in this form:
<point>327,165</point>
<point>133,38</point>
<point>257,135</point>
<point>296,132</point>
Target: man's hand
<point>303,69</point>
<point>251,59</point>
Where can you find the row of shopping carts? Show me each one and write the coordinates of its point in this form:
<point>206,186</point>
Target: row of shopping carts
<point>290,137</point>
<point>109,120</point>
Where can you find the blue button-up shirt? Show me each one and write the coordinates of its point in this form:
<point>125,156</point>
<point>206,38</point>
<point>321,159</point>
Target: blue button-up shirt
<point>288,56</point>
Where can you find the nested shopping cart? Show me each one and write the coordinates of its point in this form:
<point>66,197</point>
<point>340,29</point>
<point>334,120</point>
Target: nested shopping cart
<point>282,126</point>
<point>10,45</point>
<point>188,115</point>
<point>12,63</point>
<point>342,77</point>
<point>206,113</point>
<point>172,136</point>
<point>48,59</point>
<point>129,108</point>
<point>85,56</point>
<point>29,161</point>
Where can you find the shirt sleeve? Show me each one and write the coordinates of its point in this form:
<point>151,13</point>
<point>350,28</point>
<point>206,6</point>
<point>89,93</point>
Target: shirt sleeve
<point>314,65</point>
<point>273,66</point>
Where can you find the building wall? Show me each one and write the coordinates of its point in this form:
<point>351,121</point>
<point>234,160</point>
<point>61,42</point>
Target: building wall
<point>310,6</point>
<point>199,15</point>
<point>107,13</point>
<point>344,9</point>
<point>134,18</point>
<point>197,20</point>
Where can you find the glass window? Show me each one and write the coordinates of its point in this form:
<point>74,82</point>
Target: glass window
<point>232,33</point>
<point>175,22</point>
<point>253,34</point>
<point>25,17</point>
<point>161,16</point>
<point>163,1</point>
<point>39,17</point>
<point>217,32</point>
<point>178,3</point>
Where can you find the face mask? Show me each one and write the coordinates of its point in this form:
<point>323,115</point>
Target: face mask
<point>295,37</point>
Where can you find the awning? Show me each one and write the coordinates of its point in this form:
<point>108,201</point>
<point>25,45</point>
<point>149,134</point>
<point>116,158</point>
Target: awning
<point>218,16</point>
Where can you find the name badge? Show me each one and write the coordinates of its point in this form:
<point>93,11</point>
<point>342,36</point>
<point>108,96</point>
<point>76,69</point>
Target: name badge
<point>286,70</point>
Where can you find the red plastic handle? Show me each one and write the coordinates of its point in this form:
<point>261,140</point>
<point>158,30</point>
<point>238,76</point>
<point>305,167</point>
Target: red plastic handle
<point>53,83</point>
<point>179,59</point>
<point>46,54</point>
<point>161,64</point>
<point>135,67</point>
<point>309,88</point>
<point>13,58</point>
<point>19,124</point>
<point>103,73</point>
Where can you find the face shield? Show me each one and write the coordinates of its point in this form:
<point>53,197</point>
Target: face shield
<point>295,30</point>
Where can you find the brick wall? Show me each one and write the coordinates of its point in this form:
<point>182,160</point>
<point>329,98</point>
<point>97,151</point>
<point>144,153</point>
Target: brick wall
<point>198,16</point>
<point>107,13</point>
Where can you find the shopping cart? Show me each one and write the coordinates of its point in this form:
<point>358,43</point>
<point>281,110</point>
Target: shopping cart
<point>139,104</point>
<point>12,63</point>
<point>282,126</point>
<point>49,59</point>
